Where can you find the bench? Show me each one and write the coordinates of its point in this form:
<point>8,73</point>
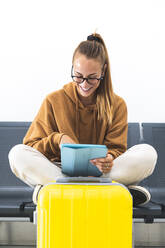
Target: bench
<point>154,134</point>
<point>13,192</point>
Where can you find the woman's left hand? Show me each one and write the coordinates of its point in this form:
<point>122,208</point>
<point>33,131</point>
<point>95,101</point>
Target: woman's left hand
<point>103,164</point>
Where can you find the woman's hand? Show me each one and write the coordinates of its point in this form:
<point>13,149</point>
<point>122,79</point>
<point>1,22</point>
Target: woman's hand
<point>66,139</point>
<point>103,164</point>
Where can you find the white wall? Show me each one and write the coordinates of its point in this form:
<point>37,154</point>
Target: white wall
<point>38,38</point>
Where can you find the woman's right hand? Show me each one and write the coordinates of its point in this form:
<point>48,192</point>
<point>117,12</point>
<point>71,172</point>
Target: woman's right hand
<point>66,139</point>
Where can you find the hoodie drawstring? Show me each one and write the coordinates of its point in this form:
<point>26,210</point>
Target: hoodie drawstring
<point>77,120</point>
<point>95,126</point>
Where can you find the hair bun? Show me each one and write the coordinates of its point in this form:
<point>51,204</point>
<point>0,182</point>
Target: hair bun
<point>92,37</point>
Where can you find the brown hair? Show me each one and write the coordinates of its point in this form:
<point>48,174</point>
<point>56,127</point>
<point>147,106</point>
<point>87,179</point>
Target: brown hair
<point>96,49</point>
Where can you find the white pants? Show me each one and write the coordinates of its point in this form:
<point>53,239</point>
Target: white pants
<point>32,167</point>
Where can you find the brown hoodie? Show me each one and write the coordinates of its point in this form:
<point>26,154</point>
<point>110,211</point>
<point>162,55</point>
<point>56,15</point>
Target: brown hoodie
<point>63,113</point>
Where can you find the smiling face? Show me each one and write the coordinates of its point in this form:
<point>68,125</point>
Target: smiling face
<point>87,68</point>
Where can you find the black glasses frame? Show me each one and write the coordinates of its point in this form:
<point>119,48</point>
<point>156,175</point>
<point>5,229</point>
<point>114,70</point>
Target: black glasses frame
<point>98,79</point>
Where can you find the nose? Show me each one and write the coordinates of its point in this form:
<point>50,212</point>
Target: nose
<point>84,84</point>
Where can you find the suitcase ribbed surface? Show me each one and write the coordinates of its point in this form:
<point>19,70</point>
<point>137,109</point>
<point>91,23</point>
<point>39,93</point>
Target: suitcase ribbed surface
<point>84,216</point>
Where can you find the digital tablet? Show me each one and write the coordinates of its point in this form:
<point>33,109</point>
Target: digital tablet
<point>75,159</point>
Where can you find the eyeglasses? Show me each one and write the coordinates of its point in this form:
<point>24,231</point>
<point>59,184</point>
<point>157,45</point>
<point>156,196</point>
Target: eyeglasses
<point>80,79</point>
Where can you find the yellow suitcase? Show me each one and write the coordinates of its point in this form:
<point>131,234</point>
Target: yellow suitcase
<point>84,213</point>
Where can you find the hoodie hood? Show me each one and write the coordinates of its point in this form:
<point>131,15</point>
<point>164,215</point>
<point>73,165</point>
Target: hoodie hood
<point>81,110</point>
<point>61,113</point>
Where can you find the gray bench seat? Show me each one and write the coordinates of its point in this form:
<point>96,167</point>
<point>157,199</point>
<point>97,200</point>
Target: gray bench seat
<point>13,192</point>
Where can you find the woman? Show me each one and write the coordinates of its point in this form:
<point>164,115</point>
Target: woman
<point>85,111</point>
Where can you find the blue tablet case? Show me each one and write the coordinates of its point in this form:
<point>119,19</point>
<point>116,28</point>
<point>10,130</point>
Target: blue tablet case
<point>75,159</point>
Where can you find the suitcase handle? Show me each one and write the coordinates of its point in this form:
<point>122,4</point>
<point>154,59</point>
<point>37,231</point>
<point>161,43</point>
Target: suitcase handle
<point>83,179</point>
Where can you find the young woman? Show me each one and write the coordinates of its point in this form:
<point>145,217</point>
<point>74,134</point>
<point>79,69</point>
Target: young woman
<point>84,111</point>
